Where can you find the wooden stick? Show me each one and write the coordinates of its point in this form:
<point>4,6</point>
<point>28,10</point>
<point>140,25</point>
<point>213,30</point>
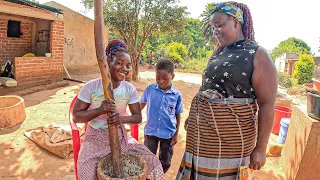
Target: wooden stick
<point>107,86</point>
<point>65,69</point>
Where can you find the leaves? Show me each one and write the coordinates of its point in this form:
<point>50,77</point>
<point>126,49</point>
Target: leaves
<point>190,36</point>
<point>304,69</point>
<point>177,52</point>
<point>206,26</point>
<point>291,45</point>
<point>285,80</point>
<point>136,20</point>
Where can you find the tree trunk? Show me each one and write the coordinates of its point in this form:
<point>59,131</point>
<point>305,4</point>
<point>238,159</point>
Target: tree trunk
<point>135,72</point>
<point>135,58</point>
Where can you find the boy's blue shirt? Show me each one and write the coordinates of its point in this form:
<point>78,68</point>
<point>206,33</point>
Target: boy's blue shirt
<point>161,110</point>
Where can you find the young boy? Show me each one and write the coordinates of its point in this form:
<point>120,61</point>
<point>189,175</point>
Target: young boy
<point>164,106</point>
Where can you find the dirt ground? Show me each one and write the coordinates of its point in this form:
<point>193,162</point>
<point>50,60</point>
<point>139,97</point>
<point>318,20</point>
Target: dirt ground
<point>23,159</point>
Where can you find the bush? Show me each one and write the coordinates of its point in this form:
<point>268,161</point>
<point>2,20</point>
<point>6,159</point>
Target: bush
<point>196,65</point>
<point>201,53</point>
<point>284,80</point>
<point>209,53</point>
<point>160,52</point>
<point>304,69</point>
<point>177,52</point>
<point>175,57</point>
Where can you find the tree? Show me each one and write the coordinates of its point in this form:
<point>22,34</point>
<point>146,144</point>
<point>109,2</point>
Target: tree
<point>113,34</point>
<point>136,20</point>
<point>304,69</point>
<point>206,26</point>
<point>196,46</point>
<point>191,36</point>
<point>291,45</point>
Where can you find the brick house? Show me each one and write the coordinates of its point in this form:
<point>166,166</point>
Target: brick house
<point>286,63</point>
<point>79,48</point>
<point>27,27</point>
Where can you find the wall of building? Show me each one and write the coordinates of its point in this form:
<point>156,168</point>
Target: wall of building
<point>280,64</point>
<point>300,156</point>
<point>79,54</point>
<point>33,71</point>
<point>15,47</point>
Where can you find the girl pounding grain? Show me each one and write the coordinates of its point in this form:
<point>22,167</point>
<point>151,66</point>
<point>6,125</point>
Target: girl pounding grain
<point>91,107</point>
<point>222,133</point>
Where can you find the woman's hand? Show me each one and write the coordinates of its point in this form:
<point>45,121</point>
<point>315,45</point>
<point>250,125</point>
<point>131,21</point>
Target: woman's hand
<point>186,123</point>
<point>114,119</point>
<point>107,105</point>
<point>257,158</point>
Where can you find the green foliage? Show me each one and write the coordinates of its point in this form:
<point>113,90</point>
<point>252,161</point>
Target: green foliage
<point>174,51</point>
<point>206,27</point>
<point>291,45</point>
<point>304,69</point>
<point>160,52</point>
<point>195,65</point>
<point>136,20</point>
<point>209,53</point>
<point>196,46</point>
<point>113,34</point>
<point>284,80</point>
<point>190,36</point>
<point>175,57</point>
<point>177,49</point>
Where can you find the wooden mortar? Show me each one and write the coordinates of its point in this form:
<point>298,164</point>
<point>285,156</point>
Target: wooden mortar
<point>12,111</point>
<point>106,162</point>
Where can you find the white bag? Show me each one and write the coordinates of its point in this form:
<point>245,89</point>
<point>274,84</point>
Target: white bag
<point>8,82</point>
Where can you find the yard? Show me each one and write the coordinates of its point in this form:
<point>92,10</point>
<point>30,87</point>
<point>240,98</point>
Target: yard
<point>23,159</point>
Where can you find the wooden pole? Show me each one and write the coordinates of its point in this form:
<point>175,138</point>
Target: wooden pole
<point>65,69</point>
<point>107,86</point>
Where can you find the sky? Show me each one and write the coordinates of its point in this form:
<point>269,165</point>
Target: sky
<point>273,20</point>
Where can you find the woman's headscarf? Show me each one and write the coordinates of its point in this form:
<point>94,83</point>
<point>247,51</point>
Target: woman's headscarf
<point>227,8</point>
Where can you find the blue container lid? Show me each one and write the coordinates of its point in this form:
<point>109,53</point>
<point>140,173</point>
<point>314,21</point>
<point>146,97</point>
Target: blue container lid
<point>285,122</point>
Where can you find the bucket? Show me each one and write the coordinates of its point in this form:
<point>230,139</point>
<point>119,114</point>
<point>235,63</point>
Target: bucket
<point>313,105</point>
<point>316,84</point>
<point>279,113</point>
<point>283,130</point>
<point>134,131</point>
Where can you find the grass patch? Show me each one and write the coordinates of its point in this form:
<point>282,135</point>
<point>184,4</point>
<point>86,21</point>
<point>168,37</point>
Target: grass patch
<point>284,80</point>
<point>296,84</point>
<point>195,66</point>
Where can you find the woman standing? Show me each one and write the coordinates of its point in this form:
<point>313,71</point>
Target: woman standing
<point>223,131</point>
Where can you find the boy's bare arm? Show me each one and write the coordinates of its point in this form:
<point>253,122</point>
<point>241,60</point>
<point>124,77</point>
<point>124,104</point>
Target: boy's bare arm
<point>178,117</point>
<point>174,139</point>
<point>142,105</point>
